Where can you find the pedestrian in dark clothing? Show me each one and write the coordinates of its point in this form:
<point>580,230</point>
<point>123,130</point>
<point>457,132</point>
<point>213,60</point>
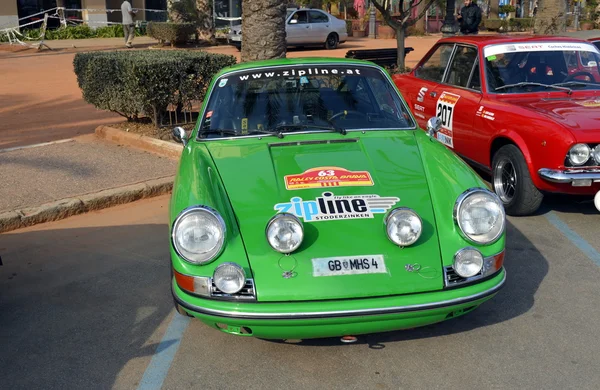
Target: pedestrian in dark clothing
<point>469,18</point>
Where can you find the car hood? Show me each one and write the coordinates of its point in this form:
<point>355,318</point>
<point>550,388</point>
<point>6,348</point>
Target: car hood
<point>368,175</point>
<point>580,115</point>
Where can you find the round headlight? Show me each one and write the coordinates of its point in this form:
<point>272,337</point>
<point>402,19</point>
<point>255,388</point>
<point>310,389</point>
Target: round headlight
<point>579,154</point>
<point>403,226</point>
<point>596,154</point>
<point>229,278</point>
<point>198,234</point>
<point>468,262</point>
<point>480,216</point>
<point>285,233</point>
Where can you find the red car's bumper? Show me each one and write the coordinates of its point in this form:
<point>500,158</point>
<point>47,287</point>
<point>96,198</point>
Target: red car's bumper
<point>581,182</point>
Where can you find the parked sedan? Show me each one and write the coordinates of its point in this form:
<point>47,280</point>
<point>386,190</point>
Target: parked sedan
<point>525,109</point>
<point>308,204</point>
<point>305,27</point>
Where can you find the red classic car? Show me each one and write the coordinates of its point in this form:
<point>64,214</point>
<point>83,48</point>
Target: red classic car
<point>514,106</point>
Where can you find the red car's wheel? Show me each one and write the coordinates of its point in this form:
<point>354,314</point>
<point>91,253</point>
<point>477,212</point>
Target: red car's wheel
<point>512,182</point>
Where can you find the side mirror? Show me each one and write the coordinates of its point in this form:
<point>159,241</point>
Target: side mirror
<point>293,21</point>
<point>180,135</point>
<point>434,124</point>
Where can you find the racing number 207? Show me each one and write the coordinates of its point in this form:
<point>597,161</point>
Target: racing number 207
<point>444,112</point>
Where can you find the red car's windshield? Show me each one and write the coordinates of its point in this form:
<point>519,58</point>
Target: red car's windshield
<point>533,67</point>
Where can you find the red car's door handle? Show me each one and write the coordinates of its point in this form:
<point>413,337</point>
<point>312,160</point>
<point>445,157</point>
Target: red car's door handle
<point>433,94</point>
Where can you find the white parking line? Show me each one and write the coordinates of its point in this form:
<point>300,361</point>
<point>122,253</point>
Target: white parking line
<point>62,141</point>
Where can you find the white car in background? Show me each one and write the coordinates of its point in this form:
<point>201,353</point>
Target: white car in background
<point>304,27</point>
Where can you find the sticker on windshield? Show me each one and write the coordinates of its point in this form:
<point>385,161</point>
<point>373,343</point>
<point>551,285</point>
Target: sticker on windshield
<point>328,177</point>
<point>445,111</point>
<point>333,207</point>
<point>539,46</point>
<point>223,83</point>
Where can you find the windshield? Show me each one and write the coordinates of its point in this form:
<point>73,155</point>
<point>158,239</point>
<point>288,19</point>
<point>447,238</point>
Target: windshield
<point>535,67</point>
<point>290,99</point>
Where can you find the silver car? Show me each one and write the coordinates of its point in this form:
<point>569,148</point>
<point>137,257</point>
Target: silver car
<point>304,27</point>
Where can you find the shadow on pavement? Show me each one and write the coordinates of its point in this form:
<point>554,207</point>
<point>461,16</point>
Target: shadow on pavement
<point>78,306</point>
<point>526,268</point>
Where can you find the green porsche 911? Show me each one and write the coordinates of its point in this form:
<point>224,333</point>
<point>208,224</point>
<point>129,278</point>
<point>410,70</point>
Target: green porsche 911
<point>309,204</point>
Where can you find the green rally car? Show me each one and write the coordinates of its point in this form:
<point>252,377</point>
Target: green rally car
<point>309,204</point>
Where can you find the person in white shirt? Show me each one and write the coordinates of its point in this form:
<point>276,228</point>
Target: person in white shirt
<point>128,25</point>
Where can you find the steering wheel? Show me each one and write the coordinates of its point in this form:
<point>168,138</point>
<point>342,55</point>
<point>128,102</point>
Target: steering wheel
<point>347,112</point>
<point>577,74</point>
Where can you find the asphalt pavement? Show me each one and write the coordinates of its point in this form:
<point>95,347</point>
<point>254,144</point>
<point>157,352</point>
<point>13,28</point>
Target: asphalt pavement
<point>85,303</point>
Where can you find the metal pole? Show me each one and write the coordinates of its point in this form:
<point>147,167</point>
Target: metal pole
<point>372,22</point>
<point>449,27</point>
<point>577,9</point>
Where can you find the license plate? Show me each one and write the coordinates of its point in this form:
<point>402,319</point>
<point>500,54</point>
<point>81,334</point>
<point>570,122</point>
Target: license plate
<point>349,265</point>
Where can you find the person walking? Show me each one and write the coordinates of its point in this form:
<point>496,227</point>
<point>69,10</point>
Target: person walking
<point>128,26</point>
<point>469,18</point>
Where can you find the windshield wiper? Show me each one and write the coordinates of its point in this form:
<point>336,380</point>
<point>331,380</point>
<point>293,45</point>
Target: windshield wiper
<point>572,84</point>
<point>532,84</point>
<point>241,132</point>
<point>305,126</point>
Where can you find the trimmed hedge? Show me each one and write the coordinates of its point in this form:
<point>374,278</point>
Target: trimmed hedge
<point>136,83</point>
<point>170,32</point>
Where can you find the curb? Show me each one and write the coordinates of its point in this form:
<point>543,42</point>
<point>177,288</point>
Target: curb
<point>63,208</point>
<point>142,142</point>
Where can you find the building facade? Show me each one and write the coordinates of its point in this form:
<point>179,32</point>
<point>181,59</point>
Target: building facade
<point>96,13</point>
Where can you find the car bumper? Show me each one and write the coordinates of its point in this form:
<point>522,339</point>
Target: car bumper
<point>575,177</point>
<point>315,319</point>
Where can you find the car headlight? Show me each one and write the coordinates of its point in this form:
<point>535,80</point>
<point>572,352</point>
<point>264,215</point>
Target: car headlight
<point>596,154</point>
<point>579,154</point>
<point>198,234</point>
<point>229,278</point>
<point>480,216</point>
<point>285,232</point>
<point>468,262</point>
<point>403,226</point>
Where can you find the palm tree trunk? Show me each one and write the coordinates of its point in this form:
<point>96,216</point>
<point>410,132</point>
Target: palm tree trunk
<point>205,28</point>
<point>263,29</point>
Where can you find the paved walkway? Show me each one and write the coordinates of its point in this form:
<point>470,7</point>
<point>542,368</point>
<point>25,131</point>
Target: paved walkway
<point>37,175</point>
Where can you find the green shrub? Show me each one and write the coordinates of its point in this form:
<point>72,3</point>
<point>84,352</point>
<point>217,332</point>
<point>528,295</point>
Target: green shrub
<point>492,24</point>
<point>506,8</point>
<point>145,82</point>
<point>76,32</point>
<point>520,24</point>
<point>170,32</point>
<point>81,31</point>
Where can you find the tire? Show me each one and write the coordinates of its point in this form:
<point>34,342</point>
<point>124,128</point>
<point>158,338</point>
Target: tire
<point>332,41</point>
<point>512,183</point>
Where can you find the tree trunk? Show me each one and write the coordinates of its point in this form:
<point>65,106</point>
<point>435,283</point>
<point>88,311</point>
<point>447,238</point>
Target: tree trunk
<point>494,4</point>
<point>400,43</point>
<point>205,28</point>
<point>263,29</point>
<point>551,17</point>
